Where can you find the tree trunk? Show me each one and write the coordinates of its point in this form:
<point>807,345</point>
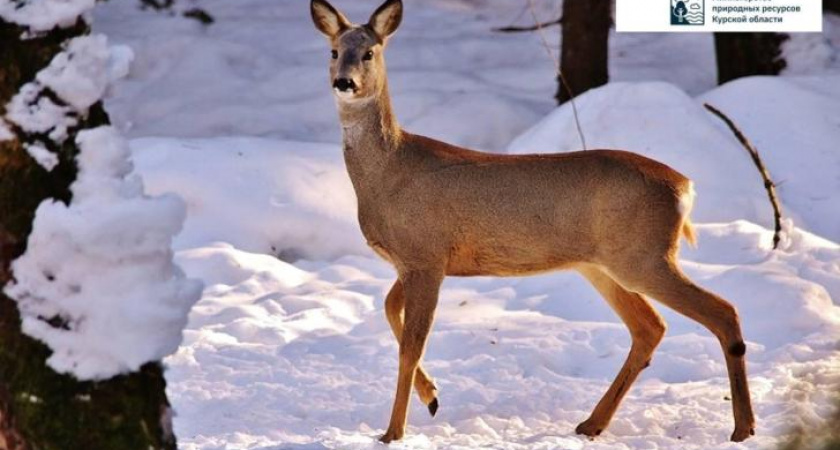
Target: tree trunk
<point>745,54</point>
<point>39,408</point>
<point>586,29</point>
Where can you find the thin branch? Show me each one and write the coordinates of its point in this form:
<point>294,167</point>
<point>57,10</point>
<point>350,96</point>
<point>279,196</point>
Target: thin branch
<point>759,164</point>
<point>535,27</point>
<point>520,14</point>
<point>559,72</point>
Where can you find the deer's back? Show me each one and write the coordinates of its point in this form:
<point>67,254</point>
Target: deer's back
<point>497,214</point>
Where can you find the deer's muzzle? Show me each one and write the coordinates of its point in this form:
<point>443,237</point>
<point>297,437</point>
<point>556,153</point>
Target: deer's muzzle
<point>344,85</point>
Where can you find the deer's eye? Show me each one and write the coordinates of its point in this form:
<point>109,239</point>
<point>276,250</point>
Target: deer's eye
<point>368,56</point>
<point>334,54</point>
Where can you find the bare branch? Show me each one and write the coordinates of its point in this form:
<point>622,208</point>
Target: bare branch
<point>759,164</point>
<point>535,27</point>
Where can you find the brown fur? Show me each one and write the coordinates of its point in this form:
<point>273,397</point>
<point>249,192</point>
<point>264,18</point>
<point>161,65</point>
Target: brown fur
<point>433,209</point>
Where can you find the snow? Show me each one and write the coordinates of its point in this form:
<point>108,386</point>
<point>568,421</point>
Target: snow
<point>34,113</point>
<point>84,69</point>
<point>303,206</point>
<point>794,124</point>
<point>79,75</point>
<point>288,346</point>
<point>805,51</point>
<point>97,282</point>
<point>45,158</point>
<point>300,353</point>
<point>44,15</point>
<point>5,132</point>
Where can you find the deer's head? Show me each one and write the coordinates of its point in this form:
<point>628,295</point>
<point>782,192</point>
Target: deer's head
<point>357,64</point>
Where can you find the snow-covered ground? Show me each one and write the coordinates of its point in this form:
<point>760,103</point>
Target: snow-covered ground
<point>289,348</point>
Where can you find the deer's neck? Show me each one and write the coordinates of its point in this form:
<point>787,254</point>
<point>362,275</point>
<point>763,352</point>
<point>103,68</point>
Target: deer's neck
<point>371,137</point>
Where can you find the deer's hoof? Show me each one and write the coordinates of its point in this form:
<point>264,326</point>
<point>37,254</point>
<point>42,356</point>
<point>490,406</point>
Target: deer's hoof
<point>741,434</point>
<point>433,407</point>
<point>589,428</point>
<point>390,436</point>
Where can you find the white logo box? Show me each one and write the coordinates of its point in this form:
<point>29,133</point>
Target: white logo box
<point>686,16</point>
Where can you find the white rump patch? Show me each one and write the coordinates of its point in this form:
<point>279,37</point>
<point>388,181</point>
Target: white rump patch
<point>687,200</point>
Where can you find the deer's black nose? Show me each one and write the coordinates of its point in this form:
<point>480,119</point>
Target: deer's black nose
<point>344,84</point>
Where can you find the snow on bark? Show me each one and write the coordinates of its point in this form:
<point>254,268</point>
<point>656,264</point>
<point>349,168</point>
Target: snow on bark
<point>82,72</point>
<point>5,132</point>
<point>79,76</point>
<point>45,158</point>
<point>44,15</point>
<point>36,114</point>
<point>97,282</point>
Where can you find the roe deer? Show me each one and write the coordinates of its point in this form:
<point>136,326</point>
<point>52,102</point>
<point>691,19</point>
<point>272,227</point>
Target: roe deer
<point>432,209</point>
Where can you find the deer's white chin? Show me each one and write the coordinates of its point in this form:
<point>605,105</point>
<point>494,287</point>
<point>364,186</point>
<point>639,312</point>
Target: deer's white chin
<point>346,96</point>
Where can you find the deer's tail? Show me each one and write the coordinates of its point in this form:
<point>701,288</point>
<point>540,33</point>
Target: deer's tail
<point>685,204</point>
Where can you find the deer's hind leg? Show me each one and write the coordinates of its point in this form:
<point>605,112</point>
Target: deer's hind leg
<point>394,310</point>
<point>646,330</point>
<point>665,282</point>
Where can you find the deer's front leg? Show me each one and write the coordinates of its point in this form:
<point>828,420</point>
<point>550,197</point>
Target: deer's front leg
<point>421,294</point>
<point>423,384</point>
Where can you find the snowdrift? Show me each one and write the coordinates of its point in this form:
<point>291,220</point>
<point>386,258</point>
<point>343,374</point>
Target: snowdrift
<point>794,123</point>
<point>289,344</point>
<point>287,199</point>
<point>289,348</point>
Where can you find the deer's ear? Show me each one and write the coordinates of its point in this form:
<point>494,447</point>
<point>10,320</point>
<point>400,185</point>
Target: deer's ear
<point>385,20</point>
<point>327,19</point>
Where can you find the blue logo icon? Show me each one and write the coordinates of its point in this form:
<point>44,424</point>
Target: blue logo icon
<point>688,12</point>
